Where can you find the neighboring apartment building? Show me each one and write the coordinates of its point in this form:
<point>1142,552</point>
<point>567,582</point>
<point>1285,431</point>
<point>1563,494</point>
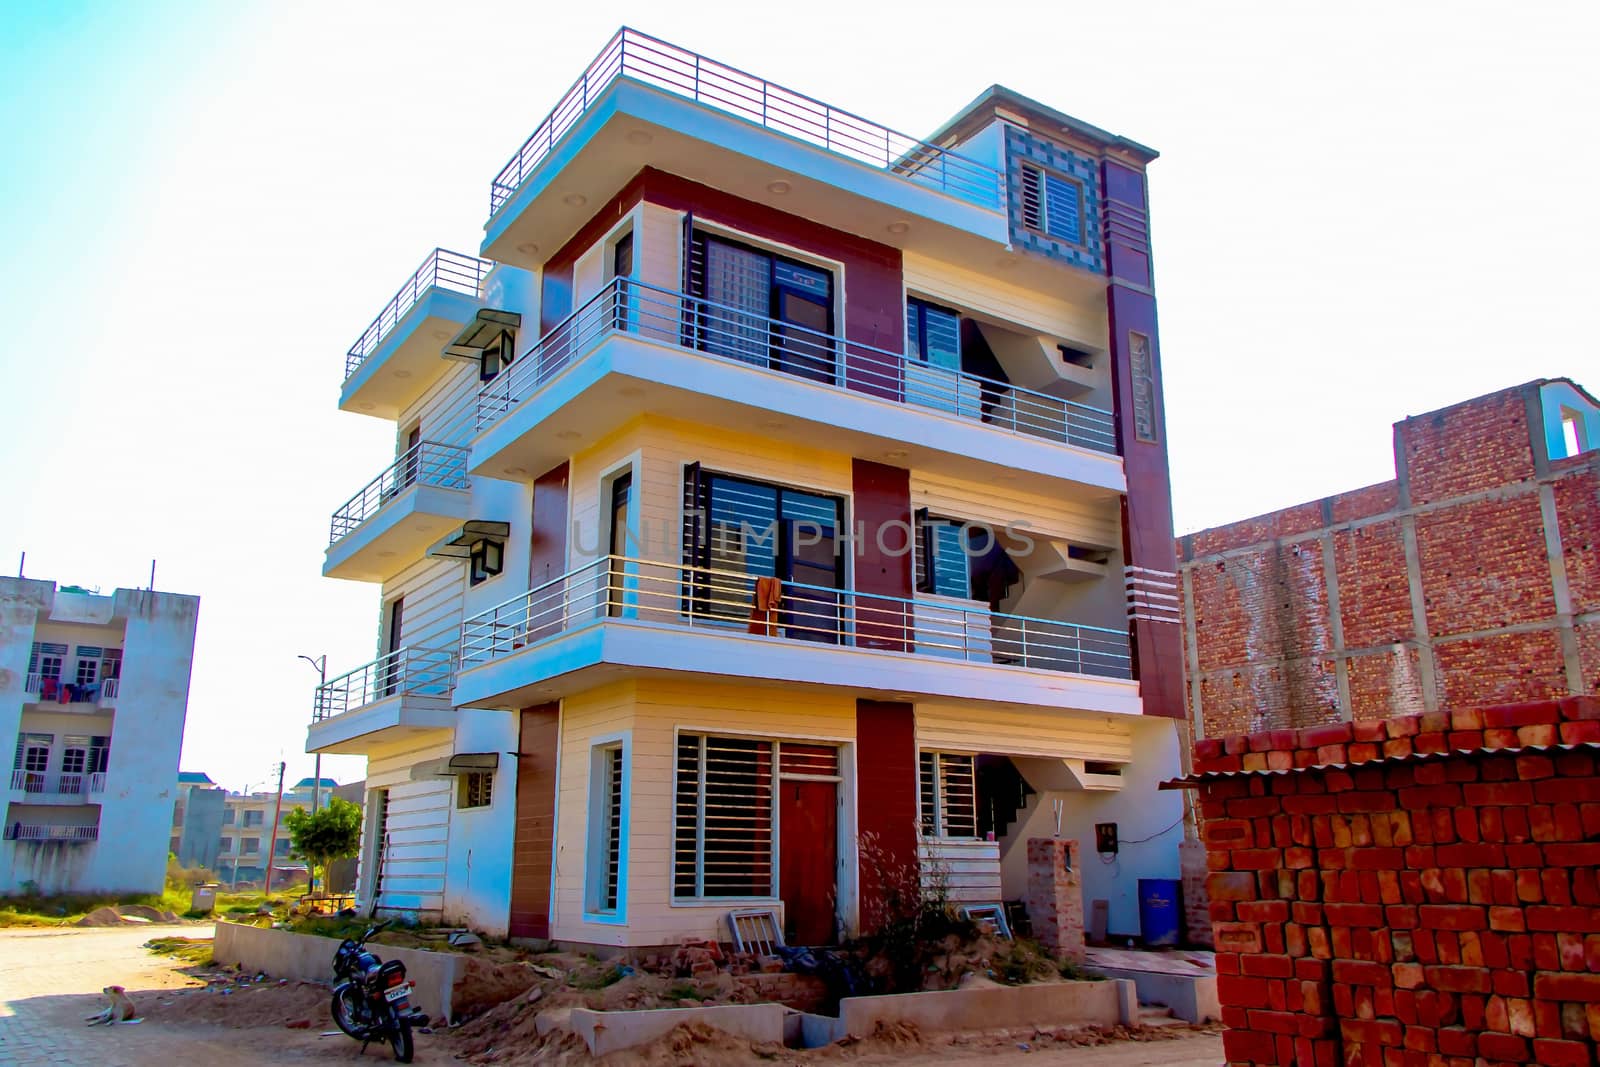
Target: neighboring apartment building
<point>780,506</point>
<point>1472,578</point>
<point>95,690</point>
<point>248,830</point>
<point>197,820</point>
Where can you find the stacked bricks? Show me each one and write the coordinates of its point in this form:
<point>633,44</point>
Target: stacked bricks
<point>1377,909</point>
<point>1055,896</point>
<point>1196,905</point>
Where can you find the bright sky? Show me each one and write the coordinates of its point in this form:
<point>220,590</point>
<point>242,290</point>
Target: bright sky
<point>1360,213</point>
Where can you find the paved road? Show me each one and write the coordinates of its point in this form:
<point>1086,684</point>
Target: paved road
<point>50,979</point>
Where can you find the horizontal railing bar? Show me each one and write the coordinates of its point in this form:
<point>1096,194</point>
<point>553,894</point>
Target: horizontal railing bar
<point>426,463</point>
<point>441,267</point>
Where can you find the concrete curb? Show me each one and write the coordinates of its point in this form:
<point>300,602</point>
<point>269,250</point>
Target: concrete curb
<point>1192,997</point>
<point>608,1031</point>
<point>1055,1004</point>
<point>309,957</point>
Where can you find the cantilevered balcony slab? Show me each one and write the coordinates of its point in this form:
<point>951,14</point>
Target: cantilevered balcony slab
<point>634,349</point>
<point>386,526</point>
<point>619,617</point>
<point>399,355</point>
<point>399,696</point>
<point>643,102</point>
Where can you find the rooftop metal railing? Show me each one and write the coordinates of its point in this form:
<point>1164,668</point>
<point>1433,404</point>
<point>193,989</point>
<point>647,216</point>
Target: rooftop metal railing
<point>442,269</point>
<point>427,463</point>
<point>25,832</point>
<point>662,315</point>
<point>621,587</point>
<point>413,671</point>
<point>683,73</point>
<point>64,783</point>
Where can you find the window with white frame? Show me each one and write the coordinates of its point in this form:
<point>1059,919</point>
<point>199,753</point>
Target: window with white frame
<point>75,756</point>
<point>606,801</point>
<point>949,795</point>
<point>1052,205</point>
<point>722,823</point>
<point>475,789</point>
<point>88,664</point>
<point>46,659</point>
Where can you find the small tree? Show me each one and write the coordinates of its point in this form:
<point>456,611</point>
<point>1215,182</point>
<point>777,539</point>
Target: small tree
<point>321,837</point>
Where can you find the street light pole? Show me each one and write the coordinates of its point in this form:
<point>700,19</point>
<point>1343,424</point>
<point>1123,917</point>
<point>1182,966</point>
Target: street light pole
<point>321,664</point>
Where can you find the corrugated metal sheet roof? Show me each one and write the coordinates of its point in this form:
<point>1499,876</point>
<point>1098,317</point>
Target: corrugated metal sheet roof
<point>1192,780</point>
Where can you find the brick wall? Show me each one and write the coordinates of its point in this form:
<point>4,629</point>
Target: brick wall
<point>1473,577</point>
<point>1370,907</point>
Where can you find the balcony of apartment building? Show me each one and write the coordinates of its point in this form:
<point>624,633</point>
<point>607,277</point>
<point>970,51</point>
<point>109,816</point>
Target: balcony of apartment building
<point>397,695</point>
<point>644,102</point>
<point>32,820</point>
<point>61,787</point>
<point>397,357</point>
<point>634,348</point>
<point>387,524</point>
<point>619,615</point>
<point>40,688</point>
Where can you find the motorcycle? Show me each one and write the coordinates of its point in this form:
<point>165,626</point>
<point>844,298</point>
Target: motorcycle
<point>371,999</point>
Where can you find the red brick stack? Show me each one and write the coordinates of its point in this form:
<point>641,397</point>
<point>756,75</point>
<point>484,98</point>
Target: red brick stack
<point>1399,911</point>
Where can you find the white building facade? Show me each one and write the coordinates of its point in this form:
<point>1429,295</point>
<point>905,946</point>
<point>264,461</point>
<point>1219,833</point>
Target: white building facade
<point>779,509</point>
<point>94,689</point>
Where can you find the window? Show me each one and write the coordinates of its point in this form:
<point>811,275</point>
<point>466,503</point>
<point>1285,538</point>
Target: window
<point>33,759</point>
<point>949,796</point>
<point>722,825</point>
<point>622,268</point>
<point>253,818</point>
<point>99,754</point>
<point>225,845</point>
<point>47,659</point>
<point>88,664</point>
<point>498,354</point>
<point>249,845</point>
<point>605,828</point>
<point>617,546</point>
<point>475,789</point>
<point>228,815</point>
<point>760,308</point>
<point>486,558</point>
<point>943,567</point>
<point>1052,205</point>
<point>281,847</point>
<point>111,663</point>
<point>75,758</point>
<point>742,530</point>
<point>933,334</point>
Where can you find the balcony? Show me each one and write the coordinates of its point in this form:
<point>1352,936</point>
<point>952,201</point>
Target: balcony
<point>644,102</point>
<point>71,835</point>
<point>395,696</point>
<point>37,689</point>
<point>38,787</point>
<point>634,348</point>
<point>387,525</point>
<point>398,356</point>
<point>618,615</point>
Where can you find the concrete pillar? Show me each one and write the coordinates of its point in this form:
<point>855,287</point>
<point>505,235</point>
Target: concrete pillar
<point>1055,896</point>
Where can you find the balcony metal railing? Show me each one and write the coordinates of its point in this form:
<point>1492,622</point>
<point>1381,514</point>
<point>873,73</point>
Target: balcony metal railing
<point>64,784</point>
<point>621,587</point>
<point>24,832</point>
<point>683,73</point>
<point>109,688</point>
<point>415,671</point>
<point>55,690</point>
<point>442,269</point>
<point>427,463</point>
<point>667,317</point>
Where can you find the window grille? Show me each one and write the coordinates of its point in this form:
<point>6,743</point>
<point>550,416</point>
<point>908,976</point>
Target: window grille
<point>1052,205</point>
<point>723,826</point>
<point>949,795</point>
<point>477,789</point>
<point>611,828</point>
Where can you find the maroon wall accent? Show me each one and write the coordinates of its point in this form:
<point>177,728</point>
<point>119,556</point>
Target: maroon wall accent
<point>1147,506</point>
<point>882,494</point>
<point>874,308</point>
<point>886,805</point>
<point>535,822</point>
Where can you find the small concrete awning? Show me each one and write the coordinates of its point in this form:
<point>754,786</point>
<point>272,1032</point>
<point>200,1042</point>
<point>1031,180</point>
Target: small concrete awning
<point>457,544</point>
<point>475,336</point>
<point>451,766</point>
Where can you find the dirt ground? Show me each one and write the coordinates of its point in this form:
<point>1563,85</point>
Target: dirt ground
<point>49,981</point>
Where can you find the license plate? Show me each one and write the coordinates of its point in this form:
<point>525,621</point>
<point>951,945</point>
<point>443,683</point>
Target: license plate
<point>399,992</point>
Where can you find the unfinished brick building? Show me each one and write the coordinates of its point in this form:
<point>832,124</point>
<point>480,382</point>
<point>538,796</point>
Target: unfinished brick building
<point>1418,890</point>
<point>1471,578</point>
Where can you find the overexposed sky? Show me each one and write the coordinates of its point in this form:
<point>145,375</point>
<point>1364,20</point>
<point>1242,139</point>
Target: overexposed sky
<point>1362,211</point>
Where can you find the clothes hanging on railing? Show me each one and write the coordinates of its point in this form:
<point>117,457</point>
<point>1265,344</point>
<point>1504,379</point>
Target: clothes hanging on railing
<point>764,615</point>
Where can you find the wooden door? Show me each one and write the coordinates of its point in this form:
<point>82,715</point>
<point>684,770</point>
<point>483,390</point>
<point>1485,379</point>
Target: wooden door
<point>532,852</point>
<point>807,857</point>
<point>548,554</point>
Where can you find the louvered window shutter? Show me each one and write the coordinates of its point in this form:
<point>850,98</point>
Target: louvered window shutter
<point>924,551</point>
<point>696,543</point>
<point>1063,209</point>
<point>1032,198</point>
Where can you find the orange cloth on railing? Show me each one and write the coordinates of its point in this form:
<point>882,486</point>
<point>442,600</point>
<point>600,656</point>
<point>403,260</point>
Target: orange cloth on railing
<point>763,617</point>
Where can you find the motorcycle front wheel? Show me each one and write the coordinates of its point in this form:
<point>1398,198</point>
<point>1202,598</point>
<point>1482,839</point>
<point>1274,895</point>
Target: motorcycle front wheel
<point>346,1011</point>
<point>400,1041</point>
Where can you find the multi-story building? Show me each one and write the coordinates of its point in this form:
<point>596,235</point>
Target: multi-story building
<point>95,690</point>
<point>197,820</point>
<point>779,508</point>
<point>248,830</point>
<point>1471,578</point>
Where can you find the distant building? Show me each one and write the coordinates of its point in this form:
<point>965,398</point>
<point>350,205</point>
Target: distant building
<point>342,873</point>
<point>247,830</point>
<point>1472,578</point>
<point>95,690</point>
<point>197,820</point>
